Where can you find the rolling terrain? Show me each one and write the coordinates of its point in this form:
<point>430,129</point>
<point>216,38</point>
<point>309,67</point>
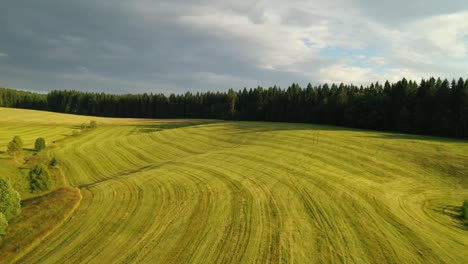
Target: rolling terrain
<point>206,191</point>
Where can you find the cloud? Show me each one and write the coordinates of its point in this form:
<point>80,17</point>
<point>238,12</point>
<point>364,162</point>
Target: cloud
<point>377,61</point>
<point>175,46</point>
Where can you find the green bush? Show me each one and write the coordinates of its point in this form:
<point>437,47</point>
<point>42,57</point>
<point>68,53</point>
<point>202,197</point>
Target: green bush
<point>92,124</point>
<point>3,224</point>
<point>39,178</point>
<point>10,201</point>
<point>53,162</point>
<point>39,144</point>
<point>18,141</point>
<point>15,147</point>
<point>84,126</point>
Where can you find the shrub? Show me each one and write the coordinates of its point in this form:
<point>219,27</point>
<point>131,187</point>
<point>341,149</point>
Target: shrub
<point>3,224</point>
<point>93,124</point>
<point>84,126</point>
<point>10,201</point>
<point>18,141</point>
<point>39,178</point>
<point>15,147</point>
<point>39,144</point>
<point>53,162</point>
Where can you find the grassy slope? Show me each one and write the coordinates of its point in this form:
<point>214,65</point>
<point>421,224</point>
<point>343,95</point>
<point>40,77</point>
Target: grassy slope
<point>255,192</point>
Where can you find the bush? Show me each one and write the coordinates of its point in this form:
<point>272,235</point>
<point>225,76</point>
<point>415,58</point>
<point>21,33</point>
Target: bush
<point>18,141</point>
<point>92,124</point>
<point>3,224</point>
<point>84,126</point>
<point>10,201</point>
<point>15,147</point>
<point>53,162</point>
<point>39,178</point>
<point>39,144</point>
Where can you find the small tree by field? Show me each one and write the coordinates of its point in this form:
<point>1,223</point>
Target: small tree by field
<point>39,178</point>
<point>93,124</point>
<point>18,141</point>
<point>9,200</point>
<point>39,144</point>
<point>15,147</point>
<point>53,162</point>
<point>3,224</point>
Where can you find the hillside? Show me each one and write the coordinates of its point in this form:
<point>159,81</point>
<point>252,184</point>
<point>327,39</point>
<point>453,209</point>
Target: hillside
<point>206,191</point>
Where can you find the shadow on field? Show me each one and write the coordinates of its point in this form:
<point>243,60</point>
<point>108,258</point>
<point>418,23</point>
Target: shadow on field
<point>386,135</point>
<point>454,212</point>
<point>165,126</point>
<point>263,126</point>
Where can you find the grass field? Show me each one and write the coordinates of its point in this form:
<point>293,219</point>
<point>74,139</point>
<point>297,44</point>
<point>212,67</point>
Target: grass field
<point>195,191</point>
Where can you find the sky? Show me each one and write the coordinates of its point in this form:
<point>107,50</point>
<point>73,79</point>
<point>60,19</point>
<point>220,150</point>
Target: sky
<point>177,46</point>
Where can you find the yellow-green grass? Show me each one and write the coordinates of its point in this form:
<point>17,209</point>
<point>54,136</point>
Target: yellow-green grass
<point>38,218</point>
<point>249,192</point>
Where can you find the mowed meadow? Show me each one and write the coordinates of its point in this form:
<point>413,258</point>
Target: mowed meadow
<point>208,191</point>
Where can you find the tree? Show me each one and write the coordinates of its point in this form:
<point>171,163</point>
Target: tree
<point>18,141</point>
<point>9,200</point>
<point>3,224</point>
<point>39,178</point>
<point>15,147</point>
<point>53,162</point>
<point>39,144</point>
<point>93,124</point>
<point>433,106</point>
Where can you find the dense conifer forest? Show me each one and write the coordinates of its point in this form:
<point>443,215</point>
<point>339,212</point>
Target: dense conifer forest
<point>432,107</point>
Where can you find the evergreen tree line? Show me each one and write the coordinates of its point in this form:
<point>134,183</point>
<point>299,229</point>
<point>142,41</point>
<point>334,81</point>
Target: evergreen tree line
<point>432,107</point>
<point>22,99</point>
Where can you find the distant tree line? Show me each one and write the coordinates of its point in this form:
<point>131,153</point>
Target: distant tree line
<point>23,99</point>
<point>431,107</point>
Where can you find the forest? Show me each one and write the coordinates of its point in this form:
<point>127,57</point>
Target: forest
<point>430,107</point>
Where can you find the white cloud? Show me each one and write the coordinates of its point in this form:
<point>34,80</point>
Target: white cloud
<point>344,73</point>
<point>446,32</point>
<point>376,61</point>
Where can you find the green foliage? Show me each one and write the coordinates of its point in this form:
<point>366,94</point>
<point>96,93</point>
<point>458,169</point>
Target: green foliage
<point>39,144</point>
<point>22,99</point>
<point>3,224</point>
<point>84,126</point>
<point>18,141</point>
<point>39,178</point>
<point>15,147</point>
<point>432,106</point>
<point>93,124</point>
<point>53,162</point>
<point>10,201</point>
